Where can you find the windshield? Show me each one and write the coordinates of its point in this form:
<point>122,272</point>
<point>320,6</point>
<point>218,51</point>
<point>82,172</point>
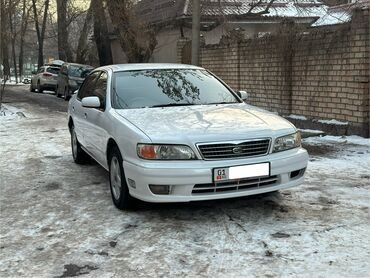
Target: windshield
<point>79,71</point>
<point>168,87</point>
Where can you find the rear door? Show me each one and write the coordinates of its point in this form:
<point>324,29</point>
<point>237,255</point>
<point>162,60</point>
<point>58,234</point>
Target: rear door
<point>78,111</point>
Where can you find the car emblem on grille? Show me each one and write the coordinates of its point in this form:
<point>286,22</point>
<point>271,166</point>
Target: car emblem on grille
<point>237,150</point>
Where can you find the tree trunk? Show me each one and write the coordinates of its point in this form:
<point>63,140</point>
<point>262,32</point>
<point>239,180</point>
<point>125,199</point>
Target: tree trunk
<point>40,33</point>
<point>137,39</point>
<point>64,50</point>
<point>14,35</point>
<point>82,47</point>
<point>24,24</point>
<point>4,39</point>
<point>101,33</point>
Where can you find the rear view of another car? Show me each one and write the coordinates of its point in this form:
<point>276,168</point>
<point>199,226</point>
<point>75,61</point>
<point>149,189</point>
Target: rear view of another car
<point>70,78</point>
<point>45,79</point>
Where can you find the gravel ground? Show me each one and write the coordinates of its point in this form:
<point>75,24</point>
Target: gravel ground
<point>57,218</point>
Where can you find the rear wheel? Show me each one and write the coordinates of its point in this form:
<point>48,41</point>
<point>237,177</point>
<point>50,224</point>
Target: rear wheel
<point>40,89</point>
<point>32,89</point>
<point>79,155</point>
<point>118,186</point>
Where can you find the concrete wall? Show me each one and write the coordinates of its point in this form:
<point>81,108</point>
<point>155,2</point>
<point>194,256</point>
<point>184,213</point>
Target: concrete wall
<point>323,74</point>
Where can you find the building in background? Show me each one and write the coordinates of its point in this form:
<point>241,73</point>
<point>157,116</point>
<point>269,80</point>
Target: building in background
<point>219,18</point>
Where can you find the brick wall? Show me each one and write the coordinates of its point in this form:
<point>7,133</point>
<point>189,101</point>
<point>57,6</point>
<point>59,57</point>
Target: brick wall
<point>323,74</point>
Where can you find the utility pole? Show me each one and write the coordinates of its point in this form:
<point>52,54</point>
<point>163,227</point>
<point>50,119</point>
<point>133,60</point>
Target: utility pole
<point>195,33</point>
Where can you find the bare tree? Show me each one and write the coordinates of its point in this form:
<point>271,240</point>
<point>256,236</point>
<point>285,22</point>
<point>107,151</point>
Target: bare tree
<point>137,39</point>
<point>22,33</point>
<point>101,35</point>
<point>13,5</point>
<point>82,47</point>
<point>5,38</point>
<point>64,49</point>
<point>40,31</point>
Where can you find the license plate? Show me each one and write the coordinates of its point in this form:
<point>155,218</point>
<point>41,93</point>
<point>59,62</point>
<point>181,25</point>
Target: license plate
<point>240,172</point>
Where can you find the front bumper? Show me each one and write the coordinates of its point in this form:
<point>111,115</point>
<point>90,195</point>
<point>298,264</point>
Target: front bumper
<point>183,175</point>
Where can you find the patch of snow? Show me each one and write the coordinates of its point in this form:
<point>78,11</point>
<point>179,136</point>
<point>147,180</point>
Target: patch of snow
<point>316,131</point>
<point>297,117</point>
<point>8,112</point>
<point>353,139</point>
<point>332,122</point>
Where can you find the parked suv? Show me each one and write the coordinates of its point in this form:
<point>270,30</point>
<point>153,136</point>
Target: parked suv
<point>70,78</point>
<point>45,79</point>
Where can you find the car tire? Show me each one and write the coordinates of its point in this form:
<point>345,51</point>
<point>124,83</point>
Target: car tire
<point>79,155</point>
<point>118,186</point>
<point>32,89</point>
<point>40,89</point>
<point>57,92</point>
<point>66,94</point>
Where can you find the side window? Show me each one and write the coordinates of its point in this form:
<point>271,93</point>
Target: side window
<point>63,70</point>
<point>88,86</point>
<point>101,88</point>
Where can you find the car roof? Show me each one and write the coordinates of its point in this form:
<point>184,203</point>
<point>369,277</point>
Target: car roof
<point>78,65</point>
<point>146,66</point>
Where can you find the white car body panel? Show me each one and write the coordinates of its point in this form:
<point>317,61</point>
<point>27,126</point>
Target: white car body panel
<point>187,125</point>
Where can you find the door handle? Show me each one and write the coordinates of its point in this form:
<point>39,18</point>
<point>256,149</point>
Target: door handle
<point>73,108</point>
<point>85,115</point>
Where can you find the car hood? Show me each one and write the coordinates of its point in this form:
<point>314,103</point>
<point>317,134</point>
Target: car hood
<point>206,123</point>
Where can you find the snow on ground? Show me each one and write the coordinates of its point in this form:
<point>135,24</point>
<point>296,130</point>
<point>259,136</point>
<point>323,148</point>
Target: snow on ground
<point>332,122</point>
<point>57,218</point>
<point>8,112</point>
<point>297,117</point>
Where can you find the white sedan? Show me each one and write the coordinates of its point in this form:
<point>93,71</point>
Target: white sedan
<point>177,133</point>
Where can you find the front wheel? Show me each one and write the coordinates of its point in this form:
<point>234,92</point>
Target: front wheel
<point>79,155</point>
<point>66,94</point>
<point>118,186</point>
<point>57,92</point>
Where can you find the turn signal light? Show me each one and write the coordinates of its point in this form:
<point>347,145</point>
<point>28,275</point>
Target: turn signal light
<point>147,152</point>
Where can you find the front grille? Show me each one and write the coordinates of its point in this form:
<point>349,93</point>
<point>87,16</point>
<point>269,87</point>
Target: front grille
<point>234,185</point>
<point>235,150</point>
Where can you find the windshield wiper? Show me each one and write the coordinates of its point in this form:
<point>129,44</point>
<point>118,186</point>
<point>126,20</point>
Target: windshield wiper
<point>223,102</point>
<point>172,104</point>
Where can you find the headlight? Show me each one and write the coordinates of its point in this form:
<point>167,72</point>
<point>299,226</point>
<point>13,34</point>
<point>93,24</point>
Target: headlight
<point>72,83</point>
<point>287,142</point>
<point>165,152</point>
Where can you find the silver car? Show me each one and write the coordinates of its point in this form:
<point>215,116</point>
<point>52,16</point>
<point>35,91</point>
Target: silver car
<point>45,79</point>
<point>177,133</point>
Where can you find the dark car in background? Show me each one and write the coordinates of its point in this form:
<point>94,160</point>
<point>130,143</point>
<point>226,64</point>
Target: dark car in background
<point>70,78</point>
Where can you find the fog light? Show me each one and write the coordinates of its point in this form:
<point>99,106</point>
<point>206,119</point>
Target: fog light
<point>131,183</point>
<point>160,189</point>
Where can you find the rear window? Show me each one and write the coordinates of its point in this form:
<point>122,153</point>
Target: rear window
<point>79,71</point>
<point>53,70</point>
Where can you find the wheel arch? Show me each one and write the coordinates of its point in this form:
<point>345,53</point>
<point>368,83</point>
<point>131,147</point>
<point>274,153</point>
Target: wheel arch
<point>110,145</point>
<point>70,123</point>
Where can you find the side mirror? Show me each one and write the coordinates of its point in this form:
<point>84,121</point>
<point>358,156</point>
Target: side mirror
<point>75,92</point>
<point>91,102</point>
<point>242,94</point>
